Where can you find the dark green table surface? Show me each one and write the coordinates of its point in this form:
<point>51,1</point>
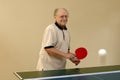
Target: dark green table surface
<point>35,75</point>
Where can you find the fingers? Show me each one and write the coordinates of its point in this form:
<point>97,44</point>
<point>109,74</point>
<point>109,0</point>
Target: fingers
<point>75,60</point>
<point>69,55</point>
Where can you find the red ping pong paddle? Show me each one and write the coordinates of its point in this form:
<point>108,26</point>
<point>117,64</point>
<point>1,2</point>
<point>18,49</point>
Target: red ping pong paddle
<point>81,52</point>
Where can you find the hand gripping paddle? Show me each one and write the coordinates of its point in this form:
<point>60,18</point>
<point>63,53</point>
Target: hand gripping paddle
<point>81,52</point>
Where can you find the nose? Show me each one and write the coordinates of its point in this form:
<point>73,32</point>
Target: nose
<point>65,17</point>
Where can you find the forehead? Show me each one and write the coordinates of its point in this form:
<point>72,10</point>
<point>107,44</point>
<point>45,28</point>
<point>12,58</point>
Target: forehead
<point>62,12</point>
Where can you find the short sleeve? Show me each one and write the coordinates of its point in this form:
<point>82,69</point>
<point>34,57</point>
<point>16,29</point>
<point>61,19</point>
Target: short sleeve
<point>49,38</point>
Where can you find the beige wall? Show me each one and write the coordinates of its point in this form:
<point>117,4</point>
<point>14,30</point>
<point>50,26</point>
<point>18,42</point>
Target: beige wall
<point>93,24</point>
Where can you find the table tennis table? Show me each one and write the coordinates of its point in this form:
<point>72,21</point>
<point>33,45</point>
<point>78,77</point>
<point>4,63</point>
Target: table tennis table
<point>89,73</point>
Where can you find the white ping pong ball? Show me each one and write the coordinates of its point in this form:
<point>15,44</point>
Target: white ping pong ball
<point>102,52</point>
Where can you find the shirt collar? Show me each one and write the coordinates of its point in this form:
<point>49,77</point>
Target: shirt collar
<point>62,28</point>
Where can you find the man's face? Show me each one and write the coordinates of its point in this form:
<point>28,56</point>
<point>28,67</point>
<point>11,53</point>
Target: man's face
<point>61,17</point>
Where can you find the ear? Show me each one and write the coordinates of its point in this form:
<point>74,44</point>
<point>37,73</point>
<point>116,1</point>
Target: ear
<point>54,17</point>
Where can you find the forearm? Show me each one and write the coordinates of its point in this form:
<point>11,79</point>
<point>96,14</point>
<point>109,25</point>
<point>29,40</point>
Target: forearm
<point>55,51</point>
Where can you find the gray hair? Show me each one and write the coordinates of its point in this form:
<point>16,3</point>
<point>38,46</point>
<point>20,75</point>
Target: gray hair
<point>56,10</point>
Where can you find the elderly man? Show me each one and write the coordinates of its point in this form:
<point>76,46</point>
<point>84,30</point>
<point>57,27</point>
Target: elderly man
<point>55,47</point>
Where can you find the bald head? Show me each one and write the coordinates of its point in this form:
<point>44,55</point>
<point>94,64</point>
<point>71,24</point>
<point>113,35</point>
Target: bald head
<point>59,9</point>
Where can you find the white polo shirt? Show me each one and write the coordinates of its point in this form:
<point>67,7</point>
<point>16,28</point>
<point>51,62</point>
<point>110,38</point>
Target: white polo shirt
<point>54,36</point>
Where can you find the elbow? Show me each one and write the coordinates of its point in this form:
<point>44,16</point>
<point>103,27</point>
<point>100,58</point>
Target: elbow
<point>49,49</point>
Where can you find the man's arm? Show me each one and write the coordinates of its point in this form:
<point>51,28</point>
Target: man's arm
<point>53,51</point>
<point>68,55</point>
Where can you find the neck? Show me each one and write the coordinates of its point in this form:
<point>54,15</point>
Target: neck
<point>60,26</point>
